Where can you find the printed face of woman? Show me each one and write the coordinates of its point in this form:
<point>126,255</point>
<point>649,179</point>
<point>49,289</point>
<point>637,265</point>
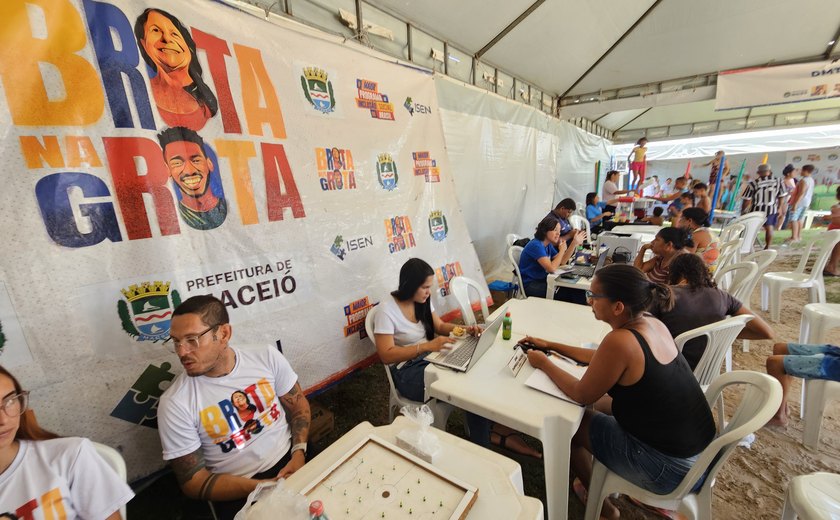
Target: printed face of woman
<point>165,44</point>
<point>424,291</point>
<point>8,425</point>
<point>239,401</point>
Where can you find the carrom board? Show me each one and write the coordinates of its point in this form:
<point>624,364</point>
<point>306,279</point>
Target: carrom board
<point>377,480</point>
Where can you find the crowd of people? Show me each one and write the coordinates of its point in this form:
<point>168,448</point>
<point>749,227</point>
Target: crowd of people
<point>237,417</point>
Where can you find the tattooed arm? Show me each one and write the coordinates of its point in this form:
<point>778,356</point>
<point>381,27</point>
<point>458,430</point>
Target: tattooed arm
<point>298,415</point>
<point>197,482</point>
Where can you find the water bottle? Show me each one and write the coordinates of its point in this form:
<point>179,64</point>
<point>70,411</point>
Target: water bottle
<point>316,511</point>
<point>507,326</point>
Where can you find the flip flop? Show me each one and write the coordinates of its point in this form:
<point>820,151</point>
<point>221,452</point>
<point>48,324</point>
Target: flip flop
<point>831,275</point>
<point>503,444</point>
<point>663,513</point>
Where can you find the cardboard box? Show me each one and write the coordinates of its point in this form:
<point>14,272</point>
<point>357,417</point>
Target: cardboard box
<point>323,422</point>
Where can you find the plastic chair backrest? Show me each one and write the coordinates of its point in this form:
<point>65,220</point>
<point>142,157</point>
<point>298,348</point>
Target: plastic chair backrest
<point>741,275</point>
<point>761,399</point>
<point>719,337</point>
<point>824,244</point>
<point>732,232</point>
<point>730,253</point>
<point>371,315</point>
<point>117,463</point>
<point>514,252</point>
<point>579,222</point>
<point>763,259</point>
<point>511,238</point>
<point>460,287</point>
<point>752,223</point>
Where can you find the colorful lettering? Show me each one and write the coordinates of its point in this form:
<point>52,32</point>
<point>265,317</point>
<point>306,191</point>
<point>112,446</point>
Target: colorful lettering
<point>216,49</point>
<point>256,86</point>
<point>238,153</point>
<point>279,197</point>
<point>214,422</point>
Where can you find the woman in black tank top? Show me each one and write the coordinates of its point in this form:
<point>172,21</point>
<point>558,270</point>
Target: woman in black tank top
<point>651,418</point>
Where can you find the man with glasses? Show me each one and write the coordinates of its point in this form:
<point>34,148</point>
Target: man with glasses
<point>234,417</point>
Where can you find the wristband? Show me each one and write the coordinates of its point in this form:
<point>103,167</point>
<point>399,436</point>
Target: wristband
<point>299,446</point>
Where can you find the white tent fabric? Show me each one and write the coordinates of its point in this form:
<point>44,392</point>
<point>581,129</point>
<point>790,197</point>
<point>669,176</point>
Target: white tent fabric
<point>511,163</point>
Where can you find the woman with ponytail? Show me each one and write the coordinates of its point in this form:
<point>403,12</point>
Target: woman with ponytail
<point>39,470</point>
<point>650,419</point>
<point>669,243</point>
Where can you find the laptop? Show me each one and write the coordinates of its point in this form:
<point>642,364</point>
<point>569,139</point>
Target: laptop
<point>588,271</point>
<point>466,352</point>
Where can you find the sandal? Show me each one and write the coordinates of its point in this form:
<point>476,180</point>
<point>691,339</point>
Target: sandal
<point>503,437</point>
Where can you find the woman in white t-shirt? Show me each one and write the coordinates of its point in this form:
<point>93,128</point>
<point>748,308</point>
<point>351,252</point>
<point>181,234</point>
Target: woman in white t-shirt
<point>44,476</point>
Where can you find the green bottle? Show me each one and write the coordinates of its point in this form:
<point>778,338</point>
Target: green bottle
<point>507,325</point>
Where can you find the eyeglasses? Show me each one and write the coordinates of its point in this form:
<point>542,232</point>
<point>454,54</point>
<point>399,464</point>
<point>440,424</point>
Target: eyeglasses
<point>190,343</point>
<point>15,405</point>
<point>591,296</point>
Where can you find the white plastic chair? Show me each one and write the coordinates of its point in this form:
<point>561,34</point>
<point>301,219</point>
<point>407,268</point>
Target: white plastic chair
<point>511,238</point>
<point>440,410</point>
<point>514,252</point>
<point>115,460</point>
<point>731,232</point>
<point>817,319</point>
<point>739,276</point>
<point>761,398</point>
<point>752,223</point>
<point>730,253</point>
<point>579,222</point>
<point>773,284</point>
<point>460,287</point>
<point>719,337</point>
<point>818,392</point>
<point>813,497</point>
<point>763,259</point>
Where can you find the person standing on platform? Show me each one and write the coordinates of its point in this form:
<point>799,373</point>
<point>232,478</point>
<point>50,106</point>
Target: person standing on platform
<point>637,160</point>
<point>715,166</point>
<point>763,194</point>
<point>800,201</point>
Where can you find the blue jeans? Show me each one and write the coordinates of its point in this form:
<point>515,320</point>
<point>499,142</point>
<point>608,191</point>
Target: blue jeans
<point>813,361</point>
<point>635,461</point>
<point>536,288</point>
<point>408,381</point>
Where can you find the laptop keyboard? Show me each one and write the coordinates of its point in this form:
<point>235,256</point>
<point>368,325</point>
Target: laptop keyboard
<point>585,271</point>
<point>461,355</point>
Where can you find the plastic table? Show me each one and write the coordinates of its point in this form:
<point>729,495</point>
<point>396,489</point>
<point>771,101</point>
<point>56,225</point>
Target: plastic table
<point>551,283</point>
<point>489,389</point>
<point>498,478</point>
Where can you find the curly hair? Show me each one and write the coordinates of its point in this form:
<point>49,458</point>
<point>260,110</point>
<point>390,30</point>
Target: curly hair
<point>693,270</point>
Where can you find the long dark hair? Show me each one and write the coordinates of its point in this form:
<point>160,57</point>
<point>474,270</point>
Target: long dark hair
<point>199,90</point>
<point>28,429</point>
<point>630,286</point>
<point>413,274</point>
<point>677,237</point>
<point>693,270</point>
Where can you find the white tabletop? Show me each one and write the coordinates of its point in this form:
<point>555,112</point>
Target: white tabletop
<point>490,390</point>
<point>553,281</point>
<point>498,478</point>
<point>642,229</point>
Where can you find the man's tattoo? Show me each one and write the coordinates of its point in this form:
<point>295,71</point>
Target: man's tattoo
<point>187,466</point>
<point>297,407</point>
<point>207,487</point>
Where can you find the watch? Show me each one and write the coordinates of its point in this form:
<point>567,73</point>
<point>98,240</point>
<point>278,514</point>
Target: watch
<point>299,446</point>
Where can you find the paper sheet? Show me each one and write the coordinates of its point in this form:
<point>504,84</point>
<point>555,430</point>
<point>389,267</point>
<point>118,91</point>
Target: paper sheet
<point>540,381</point>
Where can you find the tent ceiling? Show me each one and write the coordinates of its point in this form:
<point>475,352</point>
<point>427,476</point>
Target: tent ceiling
<point>560,40</point>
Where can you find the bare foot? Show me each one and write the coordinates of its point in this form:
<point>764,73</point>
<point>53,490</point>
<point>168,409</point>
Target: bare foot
<point>609,511</point>
<point>778,421</point>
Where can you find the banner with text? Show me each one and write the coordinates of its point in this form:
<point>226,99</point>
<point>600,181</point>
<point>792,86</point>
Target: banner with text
<point>746,88</point>
<point>154,151</point>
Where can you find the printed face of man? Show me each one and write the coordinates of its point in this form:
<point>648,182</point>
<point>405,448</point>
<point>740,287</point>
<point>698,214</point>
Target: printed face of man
<point>164,43</point>
<point>188,166</point>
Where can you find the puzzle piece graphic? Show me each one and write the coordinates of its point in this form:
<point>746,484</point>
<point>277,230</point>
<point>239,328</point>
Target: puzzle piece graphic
<point>139,404</point>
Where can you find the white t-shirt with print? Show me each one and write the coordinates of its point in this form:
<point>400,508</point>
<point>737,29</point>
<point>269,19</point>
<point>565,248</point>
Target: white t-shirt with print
<point>390,319</point>
<point>198,412</point>
<point>61,478</point>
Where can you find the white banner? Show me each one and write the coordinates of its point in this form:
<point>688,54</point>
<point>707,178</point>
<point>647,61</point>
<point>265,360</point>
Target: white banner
<point>777,85</point>
<point>303,175</point>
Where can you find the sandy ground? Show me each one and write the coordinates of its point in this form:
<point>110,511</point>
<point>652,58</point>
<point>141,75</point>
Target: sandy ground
<point>752,483</point>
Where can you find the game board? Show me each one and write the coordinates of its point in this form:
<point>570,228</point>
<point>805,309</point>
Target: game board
<point>377,480</point>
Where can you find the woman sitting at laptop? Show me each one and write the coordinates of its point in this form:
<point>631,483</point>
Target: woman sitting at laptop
<point>405,329</point>
<point>541,256</point>
<point>651,419</point>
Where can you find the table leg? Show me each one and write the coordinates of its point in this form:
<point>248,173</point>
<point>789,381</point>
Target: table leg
<point>556,457</point>
<point>550,286</point>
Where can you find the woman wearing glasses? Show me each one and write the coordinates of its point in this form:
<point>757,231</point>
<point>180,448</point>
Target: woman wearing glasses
<point>650,419</point>
<point>41,472</point>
